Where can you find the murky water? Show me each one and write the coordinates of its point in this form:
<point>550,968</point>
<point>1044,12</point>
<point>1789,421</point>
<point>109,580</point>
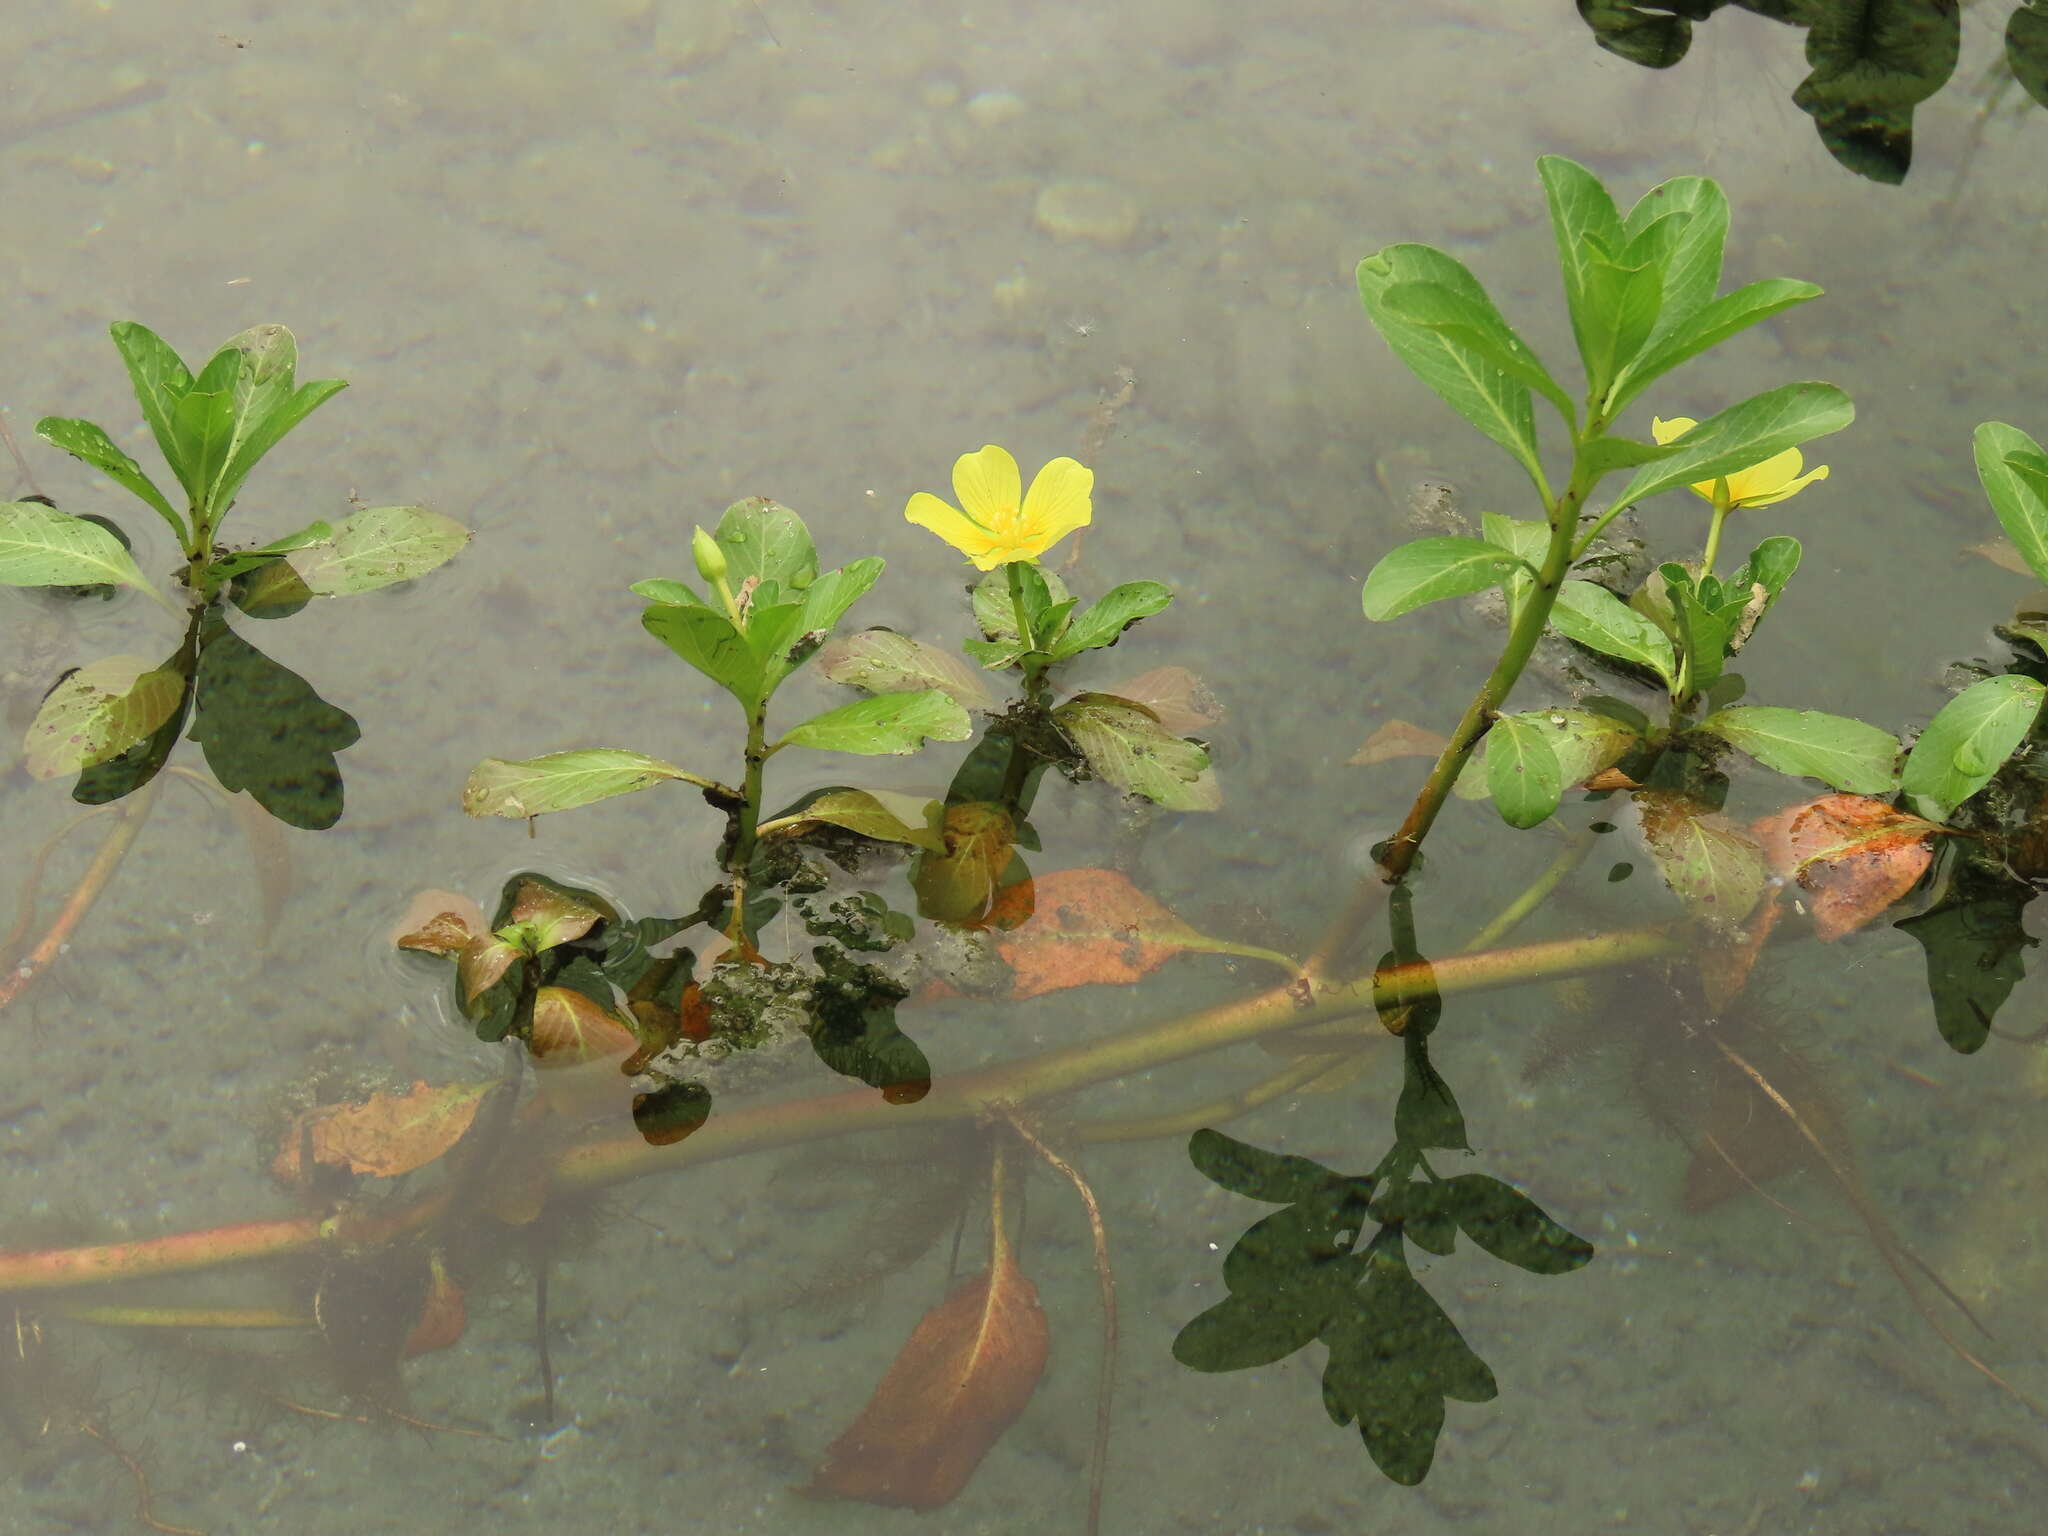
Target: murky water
<point>594,272</point>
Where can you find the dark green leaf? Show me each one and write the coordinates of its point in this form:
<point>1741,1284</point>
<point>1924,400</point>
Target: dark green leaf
<point>91,445</point>
<point>764,540</point>
<point>265,730</point>
<point>1597,619</point>
<point>1103,620</point>
<point>1522,771</point>
<point>1254,1172</point>
<point>1745,435</point>
<point>1976,943</point>
<point>1511,1226</point>
<point>1842,753</point>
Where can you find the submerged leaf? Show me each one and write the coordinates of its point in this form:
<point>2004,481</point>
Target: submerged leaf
<point>385,1135</point>
<point>1090,927</point>
<point>964,1376</point>
<point>1180,699</point>
<point>1125,744</point>
<point>882,661</point>
<point>881,814</point>
<point>1714,868</point>
<point>1398,738</point>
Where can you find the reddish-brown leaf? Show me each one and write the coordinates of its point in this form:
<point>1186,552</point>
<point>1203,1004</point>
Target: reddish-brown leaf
<point>1091,927</point>
<point>439,922</point>
<point>1853,855</point>
<point>1181,700</point>
<point>384,1136</point>
<point>570,1029</point>
<point>961,1380</point>
<point>1397,738</point>
<point>443,1314</point>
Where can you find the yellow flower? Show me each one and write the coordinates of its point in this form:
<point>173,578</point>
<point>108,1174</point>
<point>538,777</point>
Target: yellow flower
<point>1757,486</point>
<point>1000,525</point>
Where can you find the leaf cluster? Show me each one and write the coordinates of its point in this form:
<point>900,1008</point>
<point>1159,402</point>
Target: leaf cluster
<point>1310,1272</point>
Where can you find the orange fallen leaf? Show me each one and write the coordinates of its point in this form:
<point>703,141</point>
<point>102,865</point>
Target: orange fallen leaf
<point>1397,738</point>
<point>1091,927</point>
<point>1853,855</point>
<point>2002,553</point>
<point>384,1136</point>
<point>1610,778</point>
<point>964,1375</point>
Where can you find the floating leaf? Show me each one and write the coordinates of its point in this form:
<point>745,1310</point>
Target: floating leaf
<point>877,813</point>
<point>572,1030</point>
<point>1715,869</point>
<point>561,781</point>
<point>1125,744</point>
<point>888,723</point>
<point>882,661</point>
<point>42,547</point>
<point>1522,772</point>
<point>385,1135</point>
<point>374,548</point>
<point>98,712</point>
<point>1398,738</point>
<point>439,923</point>
<point>1842,753</point>
<point>966,1373</point>
<point>1968,740</point>
<point>1854,856</point>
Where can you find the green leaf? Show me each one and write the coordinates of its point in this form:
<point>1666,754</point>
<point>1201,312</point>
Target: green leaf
<point>881,814</point>
<point>1703,633</point>
<point>561,781</point>
<point>1692,261</point>
<point>996,614</point>
<point>1770,565</point>
<point>1709,327</point>
<point>1967,741</point>
<point>374,548</point>
<point>1465,316</point>
<point>1623,294</point>
<point>99,711</point>
<point>889,723</point>
<point>1586,226</point>
<point>91,445</point>
<point>1529,541</point>
<point>882,661</point>
<point>42,547</point>
<point>235,564</point>
<point>1126,745</point>
<point>764,540</point>
<point>1745,435</point>
<point>1716,870</point>
<point>1103,620</point>
<point>160,380</point>
<point>707,641</point>
<point>266,404</point>
<point>1429,570</point>
<point>1522,771</point>
<point>1597,619</point>
<point>204,421</point>
<point>664,589</point>
<point>2004,456</point>
<point>1608,453</point>
<point>1842,753</point>
<point>1495,403</point>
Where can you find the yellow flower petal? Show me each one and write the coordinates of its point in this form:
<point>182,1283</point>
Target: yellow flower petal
<point>1059,502</point>
<point>988,486</point>
<point>1788,488</point>
<point>1670,431</point>
<point>950,524</point>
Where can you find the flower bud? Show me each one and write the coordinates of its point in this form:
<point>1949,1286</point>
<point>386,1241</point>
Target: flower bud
<point>710,558</point>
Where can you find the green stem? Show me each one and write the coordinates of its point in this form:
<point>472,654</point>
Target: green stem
<point>1722,508</point>
<point>1514,657</point>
